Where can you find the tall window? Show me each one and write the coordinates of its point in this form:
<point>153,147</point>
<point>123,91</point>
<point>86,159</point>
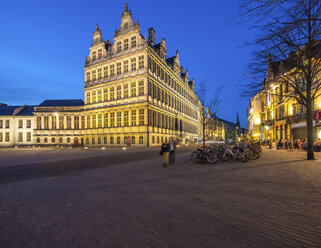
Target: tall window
<point>106,120</point>
<point>7,124</point>
<point>133,89</point>
<point>7,137</point>
<point>93,125</point>
<point>141,88</point>
<point>125,66</point>
<point>53,122</point>
<point>88,76</point>
<point>99,96</point>
<point>112,119</point>
<point>125,44</point>
<point>76,122</point>
<point>93,75</point>
<point>38,122</point>
<point>28,123</point>
<point>133,117</point>
<point>118,140</point>
<point>100,121</point>
<point>100,53</point>
<point>125,90</point>
<point>133,41</point>
<point>105,71</point>
<point>20,124</point>
<point>112,140</point>
<point>94,55</point>
<point>133,139</point>
<point>141,117</point>
<point>118,68</point>
<point>118,91</point>
<point>119,46</point>
<point>82,122</point>
<point>20,137</point>
<point>1,137</point>
<point>105,94</point>
<point>46,119</point>
<point>94,97</point>
<point>1,123</point>
<point>118,119</point>
<point>141,62</point>
<point>133,64</point>
<point>28,136</point>
<point>88,121</point>
<point>99,73</point>
<point>126,121</point>
<point>88,97</point>
<point>68,122</point>
<point>112,93</point>
<point>112,70</point>
<point>141,139</point>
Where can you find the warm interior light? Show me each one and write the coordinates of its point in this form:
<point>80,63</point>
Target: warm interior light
<point>257,121</point>
<point>291,110</point>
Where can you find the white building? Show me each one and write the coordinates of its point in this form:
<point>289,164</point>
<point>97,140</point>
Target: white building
<point>16,125</point>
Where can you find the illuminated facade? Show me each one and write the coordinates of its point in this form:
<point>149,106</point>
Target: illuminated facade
<point>133,95</point>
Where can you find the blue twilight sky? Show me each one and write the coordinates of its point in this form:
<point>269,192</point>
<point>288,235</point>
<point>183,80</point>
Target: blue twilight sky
<point>44,43</point>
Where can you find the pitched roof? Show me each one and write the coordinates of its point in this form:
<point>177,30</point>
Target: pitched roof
<point>27,111</point>
<point>16,110</point>
<point>62,103</point>
<point>7,110</point>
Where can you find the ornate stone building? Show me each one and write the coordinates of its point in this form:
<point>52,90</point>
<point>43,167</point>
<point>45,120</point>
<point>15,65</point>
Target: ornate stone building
<point>134,95</point>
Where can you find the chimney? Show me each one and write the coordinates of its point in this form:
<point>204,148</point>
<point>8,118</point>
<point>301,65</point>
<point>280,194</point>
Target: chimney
<point>151,36</point>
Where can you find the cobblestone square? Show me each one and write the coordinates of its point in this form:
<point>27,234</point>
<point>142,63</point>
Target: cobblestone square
<point>272,202</point>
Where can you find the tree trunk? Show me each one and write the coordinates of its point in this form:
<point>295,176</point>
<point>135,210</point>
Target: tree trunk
<point>203,134</point>
<point>309,119</point>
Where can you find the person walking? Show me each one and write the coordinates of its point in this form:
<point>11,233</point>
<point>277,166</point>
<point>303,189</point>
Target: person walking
<point>165,152</point>
<point>172,147</point>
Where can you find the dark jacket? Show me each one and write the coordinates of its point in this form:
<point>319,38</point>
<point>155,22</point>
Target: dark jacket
<point>164,148</point>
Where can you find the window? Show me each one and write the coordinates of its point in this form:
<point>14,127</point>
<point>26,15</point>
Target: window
<point>53,122</point>
<point>125,139</point>
<point>93,140</point>
<point>112,93</point>
<point>99,96</point>
<point>111,140</point>
<point>106,120</point>
<point>100,121</point>
<point>105,140</point>
<point>76,122</point>
<point>141,139</point>
<point>38,122</point>
<point>93,75</point>
<point>53,140</point>
<point>118,140</point>
<point>83,122</point>
<point>133,117</point>
<point>133,139</point>
<point>141,117</point>
<point>125,90</point>
<point>28,136</point>
<point>133,41</point>
<point>119,92</point>
<point>125,66</point>
<point>133,64</point>
<point>94,55</point>
<point>100,53</point>
<point>126,43</point>
<point>99,140</point>
<point>88,121</point>
<point>99,73</point>
<point>1,137</point>
<point>141,62</point>
<point>1,123</point>
<point>68,122</point>
<point>94,97</point>
<point>153,140</point>
<point>20,124</point>
<point>118,68</point>
<point>133,89</point>
<point>105,94</point>
<point>88,97</point>
<point>119,46</point>
<point>28,123</point>
<point>112,120</point>
<point>88,76</point>
<point>112,70</point>
<point>20,137</point>
<point>45,140</point>
<point>118,119</point>
<point>157,139</point>
<point>7,124</point>
<point>93,125</point>
<point>105,71</point>
<point>46,120</point>
<point>126,121</point>
<point>141,88</point>
<point>68,140</point>
<point>38,140</point>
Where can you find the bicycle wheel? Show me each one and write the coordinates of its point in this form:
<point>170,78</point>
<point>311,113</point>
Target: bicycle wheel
<point>194,156</point>
<point>212,158</point>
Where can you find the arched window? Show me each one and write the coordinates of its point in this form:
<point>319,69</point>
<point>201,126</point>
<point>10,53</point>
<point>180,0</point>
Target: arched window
<point>141,139</point>
<point>153,139</point>
<point>87,141</point>
<point>38,140</point>
<point>157,139</point>
<point>60,140</point>
<point>53,140</point>
<point>93,140</point>
<point>126,25</point>
<point>99,140</point>
<point>68,140</point>
<point>133,139</point>
<point>105,140</point>
<point>111,140</point>
<point>118,140</point>
<point>45,140</point>
<point>125,140</point>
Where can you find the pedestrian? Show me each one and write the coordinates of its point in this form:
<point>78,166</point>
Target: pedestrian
<point>165,152</point>
<point>172,146</point>
<point>290,145</point>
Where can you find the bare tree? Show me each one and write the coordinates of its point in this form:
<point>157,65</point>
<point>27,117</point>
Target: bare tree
<point>289,32</point>
<point>209,105</point>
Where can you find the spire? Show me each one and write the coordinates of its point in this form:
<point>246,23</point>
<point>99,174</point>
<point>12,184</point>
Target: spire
<point>137,20</point>
<point>126,7</point>
<point>237,120</point>
<point>97,28</point>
